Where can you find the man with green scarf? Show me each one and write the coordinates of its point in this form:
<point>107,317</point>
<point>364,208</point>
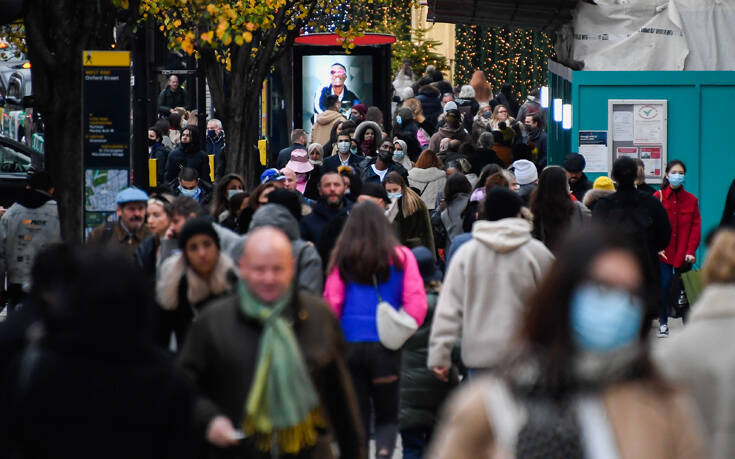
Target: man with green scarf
<point>269,365</point>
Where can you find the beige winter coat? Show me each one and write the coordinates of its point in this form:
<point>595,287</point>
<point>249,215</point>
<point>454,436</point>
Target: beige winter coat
<point>702,359</point>
<point>323,127</point>
<point>429,182</point>
<point>483,296</point>
<point>647,422</point>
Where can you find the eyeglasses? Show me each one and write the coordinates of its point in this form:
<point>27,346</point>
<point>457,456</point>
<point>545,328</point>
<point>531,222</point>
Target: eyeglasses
<point>337,72</point>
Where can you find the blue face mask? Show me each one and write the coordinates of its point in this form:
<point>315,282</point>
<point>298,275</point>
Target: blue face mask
<point>190,193</point>
<point>398,155</point>
<point>604,320</point>
<point>353,150</point>
<point>399,120</point>
<point>232,193</point>
<point>676,180</point>
<point>395,196</point>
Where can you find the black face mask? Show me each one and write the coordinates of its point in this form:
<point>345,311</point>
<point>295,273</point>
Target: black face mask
<point>385,155</point>
<point>151,142</point>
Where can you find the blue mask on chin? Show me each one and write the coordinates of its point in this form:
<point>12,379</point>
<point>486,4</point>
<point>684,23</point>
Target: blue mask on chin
<point>604,320</point>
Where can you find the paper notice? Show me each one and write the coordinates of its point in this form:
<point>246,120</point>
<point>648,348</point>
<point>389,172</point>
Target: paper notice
<point>627,151</point>
<point>593,146</point>
<point>649,124</point>
<point>651,157</point>
<point>622,126</point>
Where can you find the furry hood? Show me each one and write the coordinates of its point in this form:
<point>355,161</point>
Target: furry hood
<point>593,195</point>
<point>175,268</point>
<point>362,127</point>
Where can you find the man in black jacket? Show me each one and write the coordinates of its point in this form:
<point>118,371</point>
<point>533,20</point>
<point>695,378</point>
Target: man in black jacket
<point>158,151</point>
<point>330,205</point>
<point>171,97</point>
<point>343,157</point>
<point>637,214</point>
<point>221,355</point>
<point>574,164</point>
<point>298,140</point>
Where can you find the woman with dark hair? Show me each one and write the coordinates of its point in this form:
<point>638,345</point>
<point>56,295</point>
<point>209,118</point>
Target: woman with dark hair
<point>408,213</point>
<point>728,214</point>
<point>428,177</point>
<point>163,125</point>
<point>682,208</point>
<point>368,266</point>
<point>235,205</point>
<point>258,197</point>
<point>554,211</point>
<point>190,279</point>
<point>188,154</point>
<point>369,136</point>
<point>581,378</point>
<point>228,186</point>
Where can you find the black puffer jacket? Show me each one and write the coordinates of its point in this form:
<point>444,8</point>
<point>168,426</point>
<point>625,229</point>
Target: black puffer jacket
<point>430,103</point>
<point>422,393</point>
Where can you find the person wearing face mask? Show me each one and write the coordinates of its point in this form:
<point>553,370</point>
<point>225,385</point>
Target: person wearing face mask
<point>157,151</point>
<point>579,379</point>
<point>344,157</point>
<point>190,185</point>
<point>400,156</point>
<point>368,136</point>
<point>227,187</point>
<point>216,143</point>
<point>481,122</point>
<point>375,169</point>
<point>408,213</point>
<point>188,154</point>
<point>537,136</point>
<point>682,208</point>
<point>406,129</point>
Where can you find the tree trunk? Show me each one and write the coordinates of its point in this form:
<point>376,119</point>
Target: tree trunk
<point>57,31</point>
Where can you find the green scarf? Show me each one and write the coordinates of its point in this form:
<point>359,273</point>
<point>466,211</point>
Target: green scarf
<point>282,405</point>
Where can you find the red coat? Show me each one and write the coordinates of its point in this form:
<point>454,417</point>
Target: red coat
<point>686,224</point>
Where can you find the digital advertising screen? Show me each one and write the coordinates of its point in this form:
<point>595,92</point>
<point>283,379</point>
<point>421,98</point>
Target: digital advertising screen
<point>348,77</point>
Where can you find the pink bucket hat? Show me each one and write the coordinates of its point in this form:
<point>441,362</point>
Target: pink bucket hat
<point>299,162</point>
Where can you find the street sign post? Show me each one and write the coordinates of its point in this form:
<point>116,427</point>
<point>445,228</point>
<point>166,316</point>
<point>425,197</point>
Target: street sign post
<point>105,132</point>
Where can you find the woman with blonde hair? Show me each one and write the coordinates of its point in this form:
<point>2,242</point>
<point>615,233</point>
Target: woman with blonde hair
<point>701,358</point>
<point>408,213</point>
<point>500,114</point>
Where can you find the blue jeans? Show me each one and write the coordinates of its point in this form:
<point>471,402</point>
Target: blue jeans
<point>414,442</point>
<point>667,275</point>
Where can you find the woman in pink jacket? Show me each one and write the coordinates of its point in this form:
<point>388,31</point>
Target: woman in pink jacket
<point>368,258</point>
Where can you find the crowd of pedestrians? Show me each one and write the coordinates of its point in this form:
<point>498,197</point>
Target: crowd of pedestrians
<point>430,279</point>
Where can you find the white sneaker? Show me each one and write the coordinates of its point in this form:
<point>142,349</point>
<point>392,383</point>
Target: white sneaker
<point>663,331</point>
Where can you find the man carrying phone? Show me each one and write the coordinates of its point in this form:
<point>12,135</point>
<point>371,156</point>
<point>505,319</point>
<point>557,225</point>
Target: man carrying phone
<point>269,364</point>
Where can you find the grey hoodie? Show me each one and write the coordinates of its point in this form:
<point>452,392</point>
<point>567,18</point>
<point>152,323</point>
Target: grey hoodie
<point>484,293</point>
<point>309,263</point>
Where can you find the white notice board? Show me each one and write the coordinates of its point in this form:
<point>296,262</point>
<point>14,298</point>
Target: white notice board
<point>638,129</point>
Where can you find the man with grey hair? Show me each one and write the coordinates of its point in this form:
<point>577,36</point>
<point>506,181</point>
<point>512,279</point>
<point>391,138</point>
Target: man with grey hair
<point>215,145</point>
<point>171,97</point>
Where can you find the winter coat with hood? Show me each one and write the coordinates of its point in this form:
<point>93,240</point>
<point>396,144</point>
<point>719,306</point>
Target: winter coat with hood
<point>682,208</point>
<point>701,360</point>
<point>485,311</point>
<point>429,182</point>
<point>220,356</point>
<point>430,103</point>
<point>360,137</point>
<point>322,128</point>
<point>27,227</point>
<point>308,262</point>
<point>445,131</point>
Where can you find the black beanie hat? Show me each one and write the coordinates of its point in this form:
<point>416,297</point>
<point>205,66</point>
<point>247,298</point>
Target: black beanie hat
<point>375,190</point>
<point>199,225</point>
<point>288,199</point>
<point>574,162</point>
<point>502,203</point>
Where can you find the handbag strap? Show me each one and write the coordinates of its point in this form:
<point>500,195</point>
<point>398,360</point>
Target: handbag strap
<point>377,290</point>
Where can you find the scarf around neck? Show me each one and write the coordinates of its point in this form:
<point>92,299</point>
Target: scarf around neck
<point>282,407</point>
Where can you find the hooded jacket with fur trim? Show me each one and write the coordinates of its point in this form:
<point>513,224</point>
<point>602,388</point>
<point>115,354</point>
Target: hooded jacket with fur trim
<point>485,311</point>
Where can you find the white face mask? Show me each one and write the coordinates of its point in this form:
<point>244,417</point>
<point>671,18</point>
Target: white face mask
<point>183,123</point>
<point>343,147</point>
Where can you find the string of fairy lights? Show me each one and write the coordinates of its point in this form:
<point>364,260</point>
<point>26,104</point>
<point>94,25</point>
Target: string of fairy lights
<point>516,56</point>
